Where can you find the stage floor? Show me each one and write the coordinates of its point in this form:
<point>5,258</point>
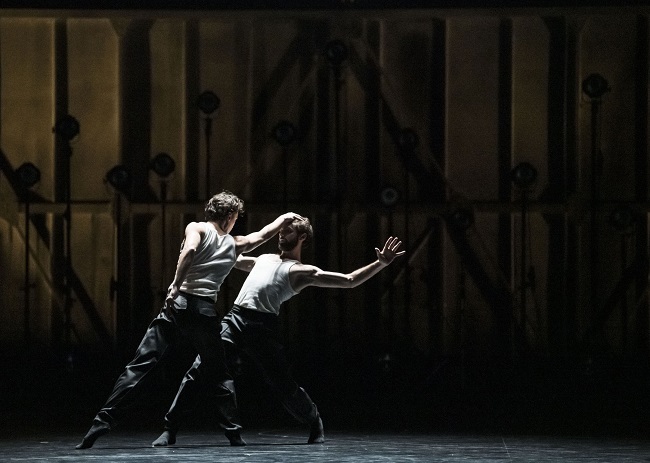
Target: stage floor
<point>276,445</point>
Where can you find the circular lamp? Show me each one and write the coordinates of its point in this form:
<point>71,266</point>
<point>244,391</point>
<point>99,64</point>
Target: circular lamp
<point>284,133</point>
<point>461,219</point>
<point>119,178</point>
<point>621,218</point>
<point>336,52</point>
<point>162,164</point>
<point>408,140</point>
<point>389,196</point>
<point>28,175</point>
<point>595,86</point>
<point>67,127</point>
<point>208,102</point>
<point>523,175</point>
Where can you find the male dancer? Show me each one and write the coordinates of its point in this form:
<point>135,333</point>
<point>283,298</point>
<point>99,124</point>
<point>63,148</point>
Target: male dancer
<point>250,325</point>
<point>207,255</point>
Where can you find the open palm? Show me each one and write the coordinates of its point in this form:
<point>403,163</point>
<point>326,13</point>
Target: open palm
<point>390,250</point>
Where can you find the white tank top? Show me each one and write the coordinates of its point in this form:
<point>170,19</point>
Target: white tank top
<point>267,286</point>
<point>215,257</point>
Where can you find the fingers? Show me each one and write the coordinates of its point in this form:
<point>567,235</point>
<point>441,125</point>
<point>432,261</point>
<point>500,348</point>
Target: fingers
<point>393,243</point>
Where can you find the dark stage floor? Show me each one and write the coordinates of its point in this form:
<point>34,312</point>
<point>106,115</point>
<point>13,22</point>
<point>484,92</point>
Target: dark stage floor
<point>275,445</point>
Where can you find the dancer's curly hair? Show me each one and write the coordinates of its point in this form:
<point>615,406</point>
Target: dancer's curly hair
<point>303,226</point>
<point>220,205</point>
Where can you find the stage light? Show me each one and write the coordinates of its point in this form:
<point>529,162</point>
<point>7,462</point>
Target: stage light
<point>119,178</point>
<point>595,86</point>
<point>28,175</point>
<point>389,196</point>
<point>67,127</point>
<point>621,218</point>
<point>523,175</point>
<point>408,140</point>
<point>284,133</point>
<point>208,102</point>
<point>162,164</point>
<point>336,52</point>
<point>461,218</point>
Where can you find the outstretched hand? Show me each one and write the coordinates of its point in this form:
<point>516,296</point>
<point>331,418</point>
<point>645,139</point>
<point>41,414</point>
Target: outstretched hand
<point>390,251</point>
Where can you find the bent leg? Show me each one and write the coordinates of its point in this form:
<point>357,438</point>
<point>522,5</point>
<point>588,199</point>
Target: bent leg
<point>271,361</point>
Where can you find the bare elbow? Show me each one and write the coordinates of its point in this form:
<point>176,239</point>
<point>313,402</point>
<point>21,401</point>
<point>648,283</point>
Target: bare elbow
<point>351,282</point>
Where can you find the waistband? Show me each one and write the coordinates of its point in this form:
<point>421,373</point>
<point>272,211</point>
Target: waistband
<point>203,298</point>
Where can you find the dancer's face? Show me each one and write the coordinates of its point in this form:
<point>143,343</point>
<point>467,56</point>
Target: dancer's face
<point>287,238</point>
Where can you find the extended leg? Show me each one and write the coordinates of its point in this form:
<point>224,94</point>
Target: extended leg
<point>152,348</point>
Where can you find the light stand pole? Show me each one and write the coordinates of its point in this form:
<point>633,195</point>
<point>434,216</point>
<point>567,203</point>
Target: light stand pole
<point>389,198</point>
<point>407,142</point>
<point>461,219</point>
<point>163,165</point>
<point>336,52</point>
<point>208,103</point>
<point>594,87</point>
<point>67,128</point>
<point>28,176</point>
<point>523,175</point>
<point>120,180</point>
<point>284,133</point>
<point>622,219</point>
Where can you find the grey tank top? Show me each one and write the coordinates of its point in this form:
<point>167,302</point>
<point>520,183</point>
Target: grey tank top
<point>267,286</point>
<point>215,257</point>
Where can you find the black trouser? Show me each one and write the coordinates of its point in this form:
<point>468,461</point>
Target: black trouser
<point>252,335</point>
<point>189,323</point>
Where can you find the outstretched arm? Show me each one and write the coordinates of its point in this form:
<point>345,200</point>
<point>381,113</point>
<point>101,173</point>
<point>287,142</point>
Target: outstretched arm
<point>249,242</point>
<point>308,275</point>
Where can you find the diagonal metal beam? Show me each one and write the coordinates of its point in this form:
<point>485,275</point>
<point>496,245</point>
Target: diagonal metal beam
<point>44,235</point>
<point>422,174</point>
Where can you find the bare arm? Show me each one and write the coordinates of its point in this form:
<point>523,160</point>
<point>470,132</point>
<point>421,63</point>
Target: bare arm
<point>249,242</point>
<point>308,275</point>
<point>193,234</point>
<point>245,263</point>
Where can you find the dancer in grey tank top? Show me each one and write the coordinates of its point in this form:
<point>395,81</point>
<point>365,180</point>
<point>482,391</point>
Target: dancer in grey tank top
<point>250,327</point>
<point>208,253</point>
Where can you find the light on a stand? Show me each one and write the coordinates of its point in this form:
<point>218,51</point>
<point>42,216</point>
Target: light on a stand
<point>336,52</point>
<point>67,127</point>
<point>595,86</point>
<point>119,178</point>
<point>461,219</point>
<point>163,165</point>
<point>284,133</point>
<point>208,102</point>
<point>389,196</point>
<point>524,176</point>
<point>28,175</point>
